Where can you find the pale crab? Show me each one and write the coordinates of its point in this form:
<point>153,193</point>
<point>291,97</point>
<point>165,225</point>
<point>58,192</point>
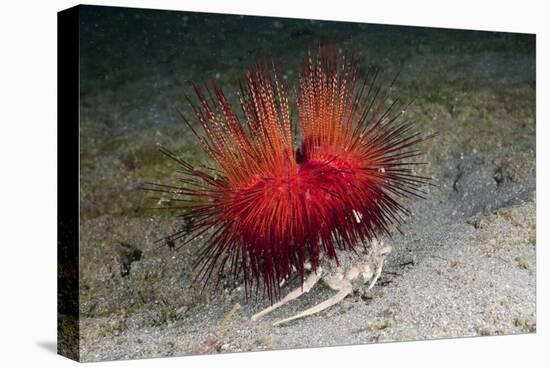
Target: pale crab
<point>353,273</point>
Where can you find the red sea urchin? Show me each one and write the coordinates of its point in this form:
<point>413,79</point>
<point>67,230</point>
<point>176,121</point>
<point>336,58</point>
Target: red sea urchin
<point>284,192</point>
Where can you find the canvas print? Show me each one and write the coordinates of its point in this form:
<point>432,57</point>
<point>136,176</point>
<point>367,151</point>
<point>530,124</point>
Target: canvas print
<point>235,183</point>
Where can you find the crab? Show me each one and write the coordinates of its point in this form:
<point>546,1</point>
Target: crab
<point>350,276</point>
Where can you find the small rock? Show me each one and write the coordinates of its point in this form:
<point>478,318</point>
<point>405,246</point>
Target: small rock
<point>126,255</point>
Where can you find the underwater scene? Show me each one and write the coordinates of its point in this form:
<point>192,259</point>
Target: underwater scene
<point>447,205</point>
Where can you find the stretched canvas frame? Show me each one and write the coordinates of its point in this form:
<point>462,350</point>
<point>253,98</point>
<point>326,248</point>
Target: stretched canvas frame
<point>464,265</point>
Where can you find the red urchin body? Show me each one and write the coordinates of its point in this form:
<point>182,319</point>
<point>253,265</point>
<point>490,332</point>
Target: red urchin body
<point>268,207</point>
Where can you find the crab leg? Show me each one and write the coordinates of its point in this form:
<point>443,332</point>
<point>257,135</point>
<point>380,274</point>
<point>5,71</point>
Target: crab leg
<point>307,266</point>
<point>376,276</point>
<point>311,280</point>
<point>342,293</point>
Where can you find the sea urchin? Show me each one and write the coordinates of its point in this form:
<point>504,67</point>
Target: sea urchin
<point>284,191</point>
